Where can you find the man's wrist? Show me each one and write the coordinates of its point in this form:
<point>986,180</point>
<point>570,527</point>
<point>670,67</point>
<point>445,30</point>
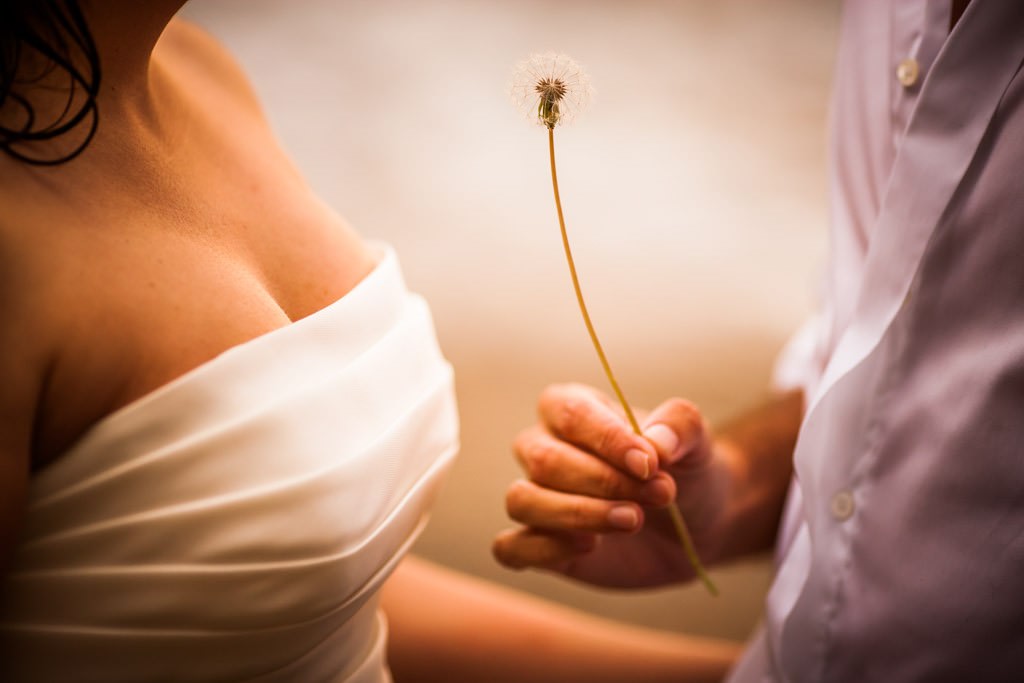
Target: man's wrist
<point>736,504</point>
<point>756,452</point>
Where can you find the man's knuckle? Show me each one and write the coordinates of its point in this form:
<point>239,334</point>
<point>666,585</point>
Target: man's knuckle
<point>571,416</point>
<point>687,415</point>
<point>691,413</point>
<point>504,551</point>
<point>522,442</point>
<point>579,516</point>
<point>605,437</point>
<point>538,459</point>
<point>608,482</point>
<point>516,498</point>
<point>550,396</point>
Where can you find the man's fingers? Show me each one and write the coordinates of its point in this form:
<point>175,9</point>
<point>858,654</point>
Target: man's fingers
<point>554,464</point>
<point>676,429</point>
<point>580,416</point>
<point>521,548</point>
<point>543,508</point>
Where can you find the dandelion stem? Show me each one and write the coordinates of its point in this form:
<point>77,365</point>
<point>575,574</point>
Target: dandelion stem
<point>579,293</point>
<point>677,518</point>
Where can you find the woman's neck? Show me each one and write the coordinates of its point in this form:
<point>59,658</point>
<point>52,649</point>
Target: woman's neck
<point>133,102</point>
<point>125,33</point>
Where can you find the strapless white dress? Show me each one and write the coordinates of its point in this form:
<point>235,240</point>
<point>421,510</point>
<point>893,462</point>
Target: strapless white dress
<point>237,523</point>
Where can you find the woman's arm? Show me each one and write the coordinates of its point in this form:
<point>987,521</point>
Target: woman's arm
<point>446,626</point>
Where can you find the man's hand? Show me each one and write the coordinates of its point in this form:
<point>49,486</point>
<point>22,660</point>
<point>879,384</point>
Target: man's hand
<point>592,503</point>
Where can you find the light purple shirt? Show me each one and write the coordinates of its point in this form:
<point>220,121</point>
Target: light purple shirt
<point>901,556</point>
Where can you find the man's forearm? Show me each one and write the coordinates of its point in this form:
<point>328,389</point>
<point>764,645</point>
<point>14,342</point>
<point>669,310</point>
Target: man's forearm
<point>759,448</point>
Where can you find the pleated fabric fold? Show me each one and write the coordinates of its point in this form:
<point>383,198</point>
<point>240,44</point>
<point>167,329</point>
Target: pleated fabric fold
<point>237,523</point>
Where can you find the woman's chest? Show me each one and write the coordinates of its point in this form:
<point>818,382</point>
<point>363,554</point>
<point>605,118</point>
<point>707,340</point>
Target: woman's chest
<point>135,305</point>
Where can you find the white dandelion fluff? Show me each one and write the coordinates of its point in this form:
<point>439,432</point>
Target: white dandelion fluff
<point>550,88</point>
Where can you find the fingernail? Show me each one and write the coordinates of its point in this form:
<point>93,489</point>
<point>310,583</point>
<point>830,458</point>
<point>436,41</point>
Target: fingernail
<point>639,463</point>
<point>623,517</point>
<point>665,440</point>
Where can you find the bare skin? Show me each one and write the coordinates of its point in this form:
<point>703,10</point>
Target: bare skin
<point>182,231</point>
<point>582,465</point>
<point>501,636</point>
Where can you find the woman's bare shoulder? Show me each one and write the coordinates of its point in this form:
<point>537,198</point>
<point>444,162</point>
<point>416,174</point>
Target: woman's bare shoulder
<point>208,64</point>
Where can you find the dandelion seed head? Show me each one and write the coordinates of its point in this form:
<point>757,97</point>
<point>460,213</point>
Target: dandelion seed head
<point>550,89</point>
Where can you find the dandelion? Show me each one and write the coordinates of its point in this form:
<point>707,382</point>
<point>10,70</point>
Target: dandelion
<point>552,89</point>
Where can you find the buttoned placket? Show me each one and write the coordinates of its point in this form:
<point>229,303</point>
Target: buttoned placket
<point>912,52</point>
<point>912,56</point>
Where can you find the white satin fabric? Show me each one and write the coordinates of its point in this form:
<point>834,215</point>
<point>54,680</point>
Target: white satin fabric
<point>237,523</point>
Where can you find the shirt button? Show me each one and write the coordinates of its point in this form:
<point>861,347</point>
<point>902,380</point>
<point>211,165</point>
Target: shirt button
<point>842,506</point>
<point>908,71</point>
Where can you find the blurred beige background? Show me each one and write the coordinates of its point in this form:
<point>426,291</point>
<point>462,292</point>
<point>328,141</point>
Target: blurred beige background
<point>694,192</point>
